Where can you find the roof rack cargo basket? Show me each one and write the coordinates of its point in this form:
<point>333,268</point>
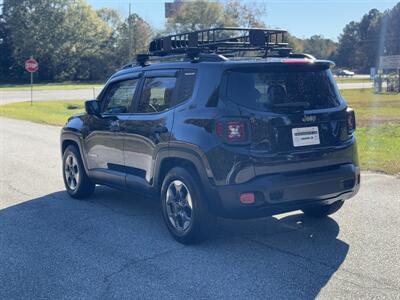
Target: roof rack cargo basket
<point>225,41</point>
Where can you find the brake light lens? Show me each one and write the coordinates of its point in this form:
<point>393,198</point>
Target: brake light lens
<point>232,131</point>
<point>351,120</point>
<point>297,61</point>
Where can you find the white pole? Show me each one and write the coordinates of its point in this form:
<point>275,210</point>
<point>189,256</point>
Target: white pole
<point>31,88</point>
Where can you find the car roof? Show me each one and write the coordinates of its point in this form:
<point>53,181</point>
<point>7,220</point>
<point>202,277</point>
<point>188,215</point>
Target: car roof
<point>227,63</point>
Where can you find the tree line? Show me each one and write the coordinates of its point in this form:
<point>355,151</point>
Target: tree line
<point>73,41</point>
<point>362,43</point>
<point>70,39</point>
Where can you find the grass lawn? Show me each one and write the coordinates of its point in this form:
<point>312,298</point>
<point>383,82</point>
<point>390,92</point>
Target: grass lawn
<point>47,112</point>
<point>372,109</point>
<point>50,86</point>
<point>378,132</point>
<point>378,121</point>
<point>379,148</point>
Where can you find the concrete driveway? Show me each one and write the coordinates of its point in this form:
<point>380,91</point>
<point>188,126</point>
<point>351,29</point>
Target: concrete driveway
<point>115,245</point>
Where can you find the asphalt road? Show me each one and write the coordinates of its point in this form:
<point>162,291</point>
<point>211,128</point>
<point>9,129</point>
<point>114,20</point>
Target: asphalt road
<point>46,95</point>
<point>86,94</point>
<point>115,245</point>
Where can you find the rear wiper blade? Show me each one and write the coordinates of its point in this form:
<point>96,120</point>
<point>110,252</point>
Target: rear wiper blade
<point>292,104</point>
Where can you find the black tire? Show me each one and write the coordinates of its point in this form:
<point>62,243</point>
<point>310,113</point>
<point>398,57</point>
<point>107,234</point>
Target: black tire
<point>323,210</point>
<point>202,222</point>
<point>81,187</point>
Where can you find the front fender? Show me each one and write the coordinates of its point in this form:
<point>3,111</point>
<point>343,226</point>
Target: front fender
<point>72,133</point>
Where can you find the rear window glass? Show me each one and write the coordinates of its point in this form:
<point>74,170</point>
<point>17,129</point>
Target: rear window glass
<point>282,89</point>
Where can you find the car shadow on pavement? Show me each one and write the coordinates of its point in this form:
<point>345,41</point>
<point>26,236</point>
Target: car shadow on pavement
<point>115,245</point>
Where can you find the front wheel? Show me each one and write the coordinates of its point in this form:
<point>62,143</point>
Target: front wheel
<point>184,208</point>
<point>76,181</point>
<point>323,210</point>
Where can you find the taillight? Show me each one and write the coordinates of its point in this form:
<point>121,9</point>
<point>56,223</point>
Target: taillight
<point>232,131</point>
<point>236,131</point>
<point>351,120</point>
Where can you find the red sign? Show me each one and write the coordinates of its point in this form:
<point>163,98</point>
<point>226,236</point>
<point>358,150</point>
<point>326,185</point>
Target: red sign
<point>31,65</point>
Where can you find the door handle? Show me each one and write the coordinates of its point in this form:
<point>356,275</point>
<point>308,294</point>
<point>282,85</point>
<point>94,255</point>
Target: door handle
<point>159,129</point>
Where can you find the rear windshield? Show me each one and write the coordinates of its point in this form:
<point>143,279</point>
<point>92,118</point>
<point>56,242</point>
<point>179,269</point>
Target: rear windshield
<point>282,88</point>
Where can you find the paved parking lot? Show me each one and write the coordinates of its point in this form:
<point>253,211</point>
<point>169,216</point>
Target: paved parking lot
<point>115,245</point>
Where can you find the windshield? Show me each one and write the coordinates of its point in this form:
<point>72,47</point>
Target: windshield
<point>282,88</point>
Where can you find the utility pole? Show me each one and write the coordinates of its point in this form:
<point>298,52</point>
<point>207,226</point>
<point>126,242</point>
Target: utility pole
<point>129,31</point>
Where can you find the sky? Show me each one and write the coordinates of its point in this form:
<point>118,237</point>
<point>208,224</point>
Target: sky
<point>302,18</point>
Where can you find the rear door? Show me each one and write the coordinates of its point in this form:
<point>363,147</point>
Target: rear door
<point>148,128</point>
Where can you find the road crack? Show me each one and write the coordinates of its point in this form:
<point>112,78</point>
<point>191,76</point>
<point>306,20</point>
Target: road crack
<point>108,278</point>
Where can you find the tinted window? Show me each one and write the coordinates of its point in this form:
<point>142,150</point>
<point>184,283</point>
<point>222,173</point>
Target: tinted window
<point>119,96</point>
<point>186,84</point>
<point>157,94</point>
<point>282,89</point>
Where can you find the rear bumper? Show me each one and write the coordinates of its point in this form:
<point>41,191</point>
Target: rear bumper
<point>284,192</point>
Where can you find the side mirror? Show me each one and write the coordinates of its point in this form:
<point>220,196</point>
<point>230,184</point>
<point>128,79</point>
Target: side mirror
<point>92,107</point>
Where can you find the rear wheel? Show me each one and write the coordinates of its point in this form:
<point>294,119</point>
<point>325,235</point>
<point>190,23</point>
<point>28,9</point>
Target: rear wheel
<point>184,208</point>
<point>76,181</point>
<point>323,210</point>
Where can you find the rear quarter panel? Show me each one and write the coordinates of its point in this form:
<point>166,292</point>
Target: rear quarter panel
<point>194,128</point>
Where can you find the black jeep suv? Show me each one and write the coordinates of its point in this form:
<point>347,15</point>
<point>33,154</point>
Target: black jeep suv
<point>212,132</point>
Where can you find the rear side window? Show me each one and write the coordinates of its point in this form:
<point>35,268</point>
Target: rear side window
<point>157,94</point>
<point>282,88</point>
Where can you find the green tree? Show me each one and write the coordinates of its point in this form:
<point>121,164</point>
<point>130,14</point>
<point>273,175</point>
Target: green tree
<point>238,14</point>
<point>348,49</point>
<point>362,43</point>
<point>196,15</point>
<point>316,45</point>
<point>111,17</point>
<point>203,14</point>
<point>319,47</point>
<point>392,38</point>
<point>81,54</point>
<point>6,58</point>
<point>66,37</point>
<point>129,37</point>
<point>134,36</point>
<point>369,37</point>
<point>295,43</point>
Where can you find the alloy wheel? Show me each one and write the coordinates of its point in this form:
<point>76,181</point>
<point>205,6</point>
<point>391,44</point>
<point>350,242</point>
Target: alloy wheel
<point>179,205</point>
<point>71,171</point>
